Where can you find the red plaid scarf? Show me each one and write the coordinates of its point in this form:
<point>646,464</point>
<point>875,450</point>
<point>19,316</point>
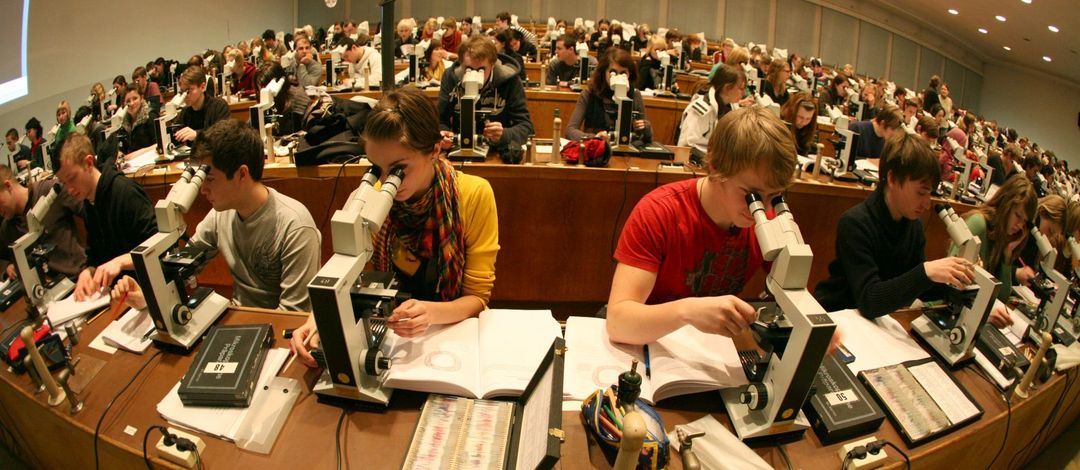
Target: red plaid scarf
<point>416,224</point>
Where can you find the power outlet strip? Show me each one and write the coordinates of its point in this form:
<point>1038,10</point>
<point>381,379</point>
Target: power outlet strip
<point>870,461</point>
<point>184,459</point>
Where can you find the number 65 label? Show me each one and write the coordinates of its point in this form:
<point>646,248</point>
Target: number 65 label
<point>841,397</point>
<point>220,368</point>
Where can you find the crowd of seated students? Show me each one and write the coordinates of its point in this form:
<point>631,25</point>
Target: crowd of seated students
<point>441,236</point>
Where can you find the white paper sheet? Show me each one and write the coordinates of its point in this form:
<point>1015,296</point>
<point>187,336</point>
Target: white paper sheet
<point>879,343</point>
<point>63,311</point>
<point>129,331</point>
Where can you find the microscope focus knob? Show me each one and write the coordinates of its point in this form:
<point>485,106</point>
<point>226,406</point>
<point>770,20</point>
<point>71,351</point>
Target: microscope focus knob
<point>181,314</point>
<point>755,396</point>
<point>374,362</point>
<point>956,336</point>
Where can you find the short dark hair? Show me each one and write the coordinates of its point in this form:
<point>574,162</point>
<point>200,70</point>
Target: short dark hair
<point>268,34</point>
<point>504,16</point>
<point>12,133</point>
<point>228,144</point>
<point>1031,161</point>
<point>568,41</point>
<point>119,80</point>
<point>34,124</point>
<point>909,158</point>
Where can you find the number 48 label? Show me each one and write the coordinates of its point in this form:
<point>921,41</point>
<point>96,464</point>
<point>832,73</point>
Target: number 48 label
<point>220,368</point>
<point>841,397</point>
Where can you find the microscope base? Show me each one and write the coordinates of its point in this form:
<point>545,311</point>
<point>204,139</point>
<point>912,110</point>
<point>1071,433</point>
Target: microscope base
<point>366,397</point>
<point>953,354</point>
<point>625,149</point>
<point>468,155</point>
<point>202,318</point>
<point>58,291</point>
<point>752,425</point>
<point>1070,329</point>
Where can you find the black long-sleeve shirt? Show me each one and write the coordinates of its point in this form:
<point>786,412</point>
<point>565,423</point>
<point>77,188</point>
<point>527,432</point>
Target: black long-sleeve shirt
<point>120,218</point>
<point>879,262</point>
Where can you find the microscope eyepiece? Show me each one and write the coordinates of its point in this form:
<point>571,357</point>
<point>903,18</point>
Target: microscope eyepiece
<point>752,197</point>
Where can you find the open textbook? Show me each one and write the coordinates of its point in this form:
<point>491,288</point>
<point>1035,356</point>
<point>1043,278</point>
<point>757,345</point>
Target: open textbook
<point>683,362</point>
<point>493,355</point>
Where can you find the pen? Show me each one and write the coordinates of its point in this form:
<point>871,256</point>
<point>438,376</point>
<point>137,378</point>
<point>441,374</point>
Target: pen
<point>648,369</point>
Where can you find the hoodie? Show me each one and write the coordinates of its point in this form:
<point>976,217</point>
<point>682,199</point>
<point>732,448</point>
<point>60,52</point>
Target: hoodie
<point>503,95</point>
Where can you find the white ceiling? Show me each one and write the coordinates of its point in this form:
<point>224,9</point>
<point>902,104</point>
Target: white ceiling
<point>1025,30</point>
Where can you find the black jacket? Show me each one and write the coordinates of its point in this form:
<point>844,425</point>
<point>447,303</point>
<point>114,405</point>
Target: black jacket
<point>214,109</point>
<point>120,218</point>
<point>879,262</point>
<point>503,94</point>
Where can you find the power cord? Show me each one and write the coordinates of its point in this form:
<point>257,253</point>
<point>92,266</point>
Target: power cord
<point>172,440</point>
<point>1027,446</point>
<point>97,428</point>
<point>783,453</point>
<point>1052,420</point>
<point>337,436</point>
<point>1006,395</point>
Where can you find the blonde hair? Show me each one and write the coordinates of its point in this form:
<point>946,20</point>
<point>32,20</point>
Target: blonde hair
<point>752,138</point>
<point>739,56</point>
<point>65,106</point>
<point>98,90</point>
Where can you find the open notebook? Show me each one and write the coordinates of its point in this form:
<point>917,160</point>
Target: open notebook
<point>493,355</point>
<point>683,362</point>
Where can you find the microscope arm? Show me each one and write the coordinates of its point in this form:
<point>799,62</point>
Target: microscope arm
<point>30,275</point>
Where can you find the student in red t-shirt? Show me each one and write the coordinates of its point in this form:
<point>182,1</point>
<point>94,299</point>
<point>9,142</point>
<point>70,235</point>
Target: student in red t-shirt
<point>689,247</point>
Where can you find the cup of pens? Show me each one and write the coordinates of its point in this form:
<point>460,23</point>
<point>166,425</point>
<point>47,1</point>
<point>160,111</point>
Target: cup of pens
<point>602,413</point>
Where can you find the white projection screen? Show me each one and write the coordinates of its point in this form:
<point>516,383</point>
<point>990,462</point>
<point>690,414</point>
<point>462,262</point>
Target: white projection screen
<point>13,23</point>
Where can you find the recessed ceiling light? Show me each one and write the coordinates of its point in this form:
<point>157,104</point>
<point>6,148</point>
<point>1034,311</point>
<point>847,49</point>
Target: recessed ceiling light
<point>952,11</point>
<point>983,30</point>
<point>1053,28</point>
<point>1006,48</point>
<point>1000,18</point>
<point>1026,1</point>
<point>1047,58</point>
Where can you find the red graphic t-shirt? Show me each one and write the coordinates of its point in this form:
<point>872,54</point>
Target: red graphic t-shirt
<point>670,234</point>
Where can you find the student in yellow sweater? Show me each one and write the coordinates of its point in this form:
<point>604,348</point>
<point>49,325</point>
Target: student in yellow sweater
<point>442,234</point>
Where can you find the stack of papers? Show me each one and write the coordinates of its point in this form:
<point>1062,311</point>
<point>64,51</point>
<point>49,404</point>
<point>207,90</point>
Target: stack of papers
<point>130,332</point>
<point>875,343</point>
<point>220,422</point>
<point>63,311</point>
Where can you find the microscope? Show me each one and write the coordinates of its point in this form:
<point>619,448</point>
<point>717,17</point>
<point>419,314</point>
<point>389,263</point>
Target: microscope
<point>472,146</point>
<point>583,62</point>
<point>771,404</point>
<point>32,257</point>
<point>350,308</point>
<point>165,146</point>
<point>844,143</point>
<point>951,332</point>
<point>259,113</point>
<point>165,271</point>
<point>667,74</point>
<point>417,64</point>
<point>624,119</point>
<point>1069,321</point>
<point>1052,289</point>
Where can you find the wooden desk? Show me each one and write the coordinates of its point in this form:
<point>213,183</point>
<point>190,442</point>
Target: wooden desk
<point>558,226</point>
<point>379,440</point>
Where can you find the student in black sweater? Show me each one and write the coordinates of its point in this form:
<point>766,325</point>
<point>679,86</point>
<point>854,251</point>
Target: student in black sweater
<point>880,244</point>
<point>119,216</point>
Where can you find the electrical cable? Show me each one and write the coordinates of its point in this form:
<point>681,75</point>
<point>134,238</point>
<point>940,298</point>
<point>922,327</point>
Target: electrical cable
<point>337,436</point>
<point>1006,396</point>
<point>783,453</point>
<point>907,460</point>
<point>97,428</point>
<point>1025,449</point>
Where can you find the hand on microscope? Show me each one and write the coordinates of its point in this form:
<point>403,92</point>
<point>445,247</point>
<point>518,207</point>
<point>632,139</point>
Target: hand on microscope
<point>493,131</point>
<point>304,338</point>
<point>127,285</point>
<point>410,319</point>
<point>186,134</point>
<point>447,139</point>
<point>1024,275</point>
<point>725,315</point>
<point>639,124</point>
<point>954,271</point>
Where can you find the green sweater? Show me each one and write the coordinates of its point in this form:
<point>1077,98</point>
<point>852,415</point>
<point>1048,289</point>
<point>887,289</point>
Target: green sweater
<point>1004,273</point>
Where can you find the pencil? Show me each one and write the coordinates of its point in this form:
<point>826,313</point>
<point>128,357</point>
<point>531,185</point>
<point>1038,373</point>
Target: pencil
<point>95,317</point>
<point>607,424</point>
<point>119,306</point>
